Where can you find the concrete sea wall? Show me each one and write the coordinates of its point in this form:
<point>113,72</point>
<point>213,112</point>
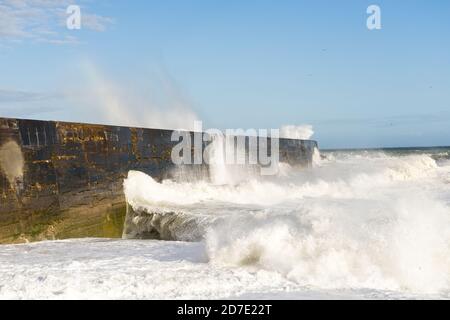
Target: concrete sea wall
<point>64,180</point>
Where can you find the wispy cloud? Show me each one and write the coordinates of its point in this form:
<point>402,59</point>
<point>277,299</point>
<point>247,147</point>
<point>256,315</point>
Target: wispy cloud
<point>44,21</point>
<point>95,22</point>
<point>16,103</point>
<point>13,96</point>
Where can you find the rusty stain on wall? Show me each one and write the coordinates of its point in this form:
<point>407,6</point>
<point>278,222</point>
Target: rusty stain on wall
<point>12,163</point>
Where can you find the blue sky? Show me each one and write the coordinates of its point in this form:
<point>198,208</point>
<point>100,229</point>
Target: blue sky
<point>234,64</point>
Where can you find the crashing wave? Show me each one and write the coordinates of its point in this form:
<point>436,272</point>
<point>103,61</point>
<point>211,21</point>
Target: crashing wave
<point>366,220</point>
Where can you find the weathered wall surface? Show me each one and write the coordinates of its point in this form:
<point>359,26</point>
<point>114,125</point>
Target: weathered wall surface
<point>62,180</point>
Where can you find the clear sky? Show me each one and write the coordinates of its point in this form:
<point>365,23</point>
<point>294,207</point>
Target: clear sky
<point>234,64</point>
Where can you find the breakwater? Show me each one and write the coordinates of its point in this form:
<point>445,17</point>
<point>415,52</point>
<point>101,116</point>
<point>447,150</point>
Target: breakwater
<point>64,180</point>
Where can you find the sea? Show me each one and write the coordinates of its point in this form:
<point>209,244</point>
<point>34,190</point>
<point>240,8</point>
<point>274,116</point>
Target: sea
<point>359,224</point>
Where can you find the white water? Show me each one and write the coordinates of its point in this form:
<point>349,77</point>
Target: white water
<point>358,225</point>
<point>302,132</point>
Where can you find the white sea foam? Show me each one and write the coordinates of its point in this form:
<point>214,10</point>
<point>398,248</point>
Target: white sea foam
<point>302,132</point>
<point>115,269</point>
<point>356,221</point>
